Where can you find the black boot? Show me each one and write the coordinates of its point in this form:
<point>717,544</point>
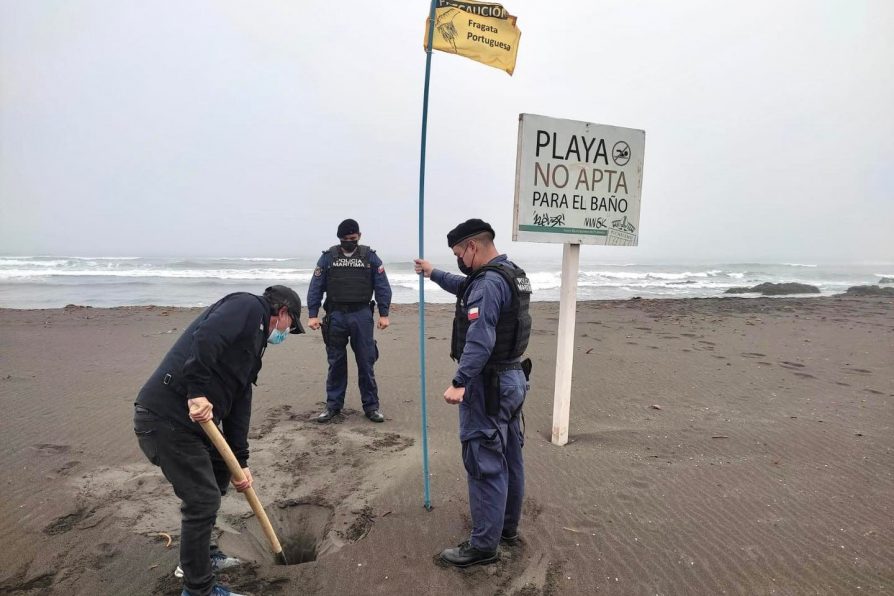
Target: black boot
<point>509,539</point>
<point>466,555</point>
<point>327,415</point>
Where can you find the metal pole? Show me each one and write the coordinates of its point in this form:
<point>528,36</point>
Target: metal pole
<point>425,473</point>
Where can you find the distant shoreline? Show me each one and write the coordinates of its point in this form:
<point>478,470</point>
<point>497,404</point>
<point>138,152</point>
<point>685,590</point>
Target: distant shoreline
<point>449,306</point>
<point>46,282</point>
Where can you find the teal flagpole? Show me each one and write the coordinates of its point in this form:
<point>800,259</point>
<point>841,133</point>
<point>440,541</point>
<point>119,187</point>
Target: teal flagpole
<point>425,474</point>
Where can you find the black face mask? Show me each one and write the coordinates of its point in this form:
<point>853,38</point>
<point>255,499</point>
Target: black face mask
<point>463,268</point>
<point>348,245</point>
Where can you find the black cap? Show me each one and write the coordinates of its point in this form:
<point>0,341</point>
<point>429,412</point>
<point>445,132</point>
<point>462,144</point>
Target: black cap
<point>348,227</point>
<point>280,296</point>
<point>467,229</point>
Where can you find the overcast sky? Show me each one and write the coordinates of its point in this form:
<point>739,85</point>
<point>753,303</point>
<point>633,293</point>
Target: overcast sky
<point>233,128</point>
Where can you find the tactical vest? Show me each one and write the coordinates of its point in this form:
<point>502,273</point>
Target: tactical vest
<point>349,279</point>
<point>513,326</point>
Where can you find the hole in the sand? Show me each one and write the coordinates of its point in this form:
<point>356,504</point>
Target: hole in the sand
<point>300,527</point>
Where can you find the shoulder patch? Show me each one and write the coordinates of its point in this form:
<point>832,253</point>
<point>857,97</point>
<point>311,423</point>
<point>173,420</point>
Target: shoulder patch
<point>381,268</point>
<point>473,313</point>
<point>318,272</point>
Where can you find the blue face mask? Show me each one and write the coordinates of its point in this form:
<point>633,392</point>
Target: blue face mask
<point>277,336</point>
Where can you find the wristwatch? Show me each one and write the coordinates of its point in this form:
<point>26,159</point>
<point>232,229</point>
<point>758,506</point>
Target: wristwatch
<point>457,384</point>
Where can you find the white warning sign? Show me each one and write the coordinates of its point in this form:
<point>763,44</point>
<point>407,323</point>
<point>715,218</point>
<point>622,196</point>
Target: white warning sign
<point>577,182</point>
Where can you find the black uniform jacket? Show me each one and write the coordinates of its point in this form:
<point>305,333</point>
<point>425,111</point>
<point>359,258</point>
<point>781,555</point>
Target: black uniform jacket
<point>217,357</point>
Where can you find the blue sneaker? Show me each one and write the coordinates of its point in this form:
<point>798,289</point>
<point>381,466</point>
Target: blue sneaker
<point>219,561</point>
<point>217,590</point>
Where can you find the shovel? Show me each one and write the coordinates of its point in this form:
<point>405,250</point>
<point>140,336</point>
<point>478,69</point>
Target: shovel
<point>236,470</point>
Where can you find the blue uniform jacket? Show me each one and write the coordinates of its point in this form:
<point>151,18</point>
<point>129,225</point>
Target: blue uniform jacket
<point>489,293</point>
<point>317,287</point>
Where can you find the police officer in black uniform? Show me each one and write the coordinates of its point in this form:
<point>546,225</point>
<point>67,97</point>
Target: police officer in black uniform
<point>349,273</point>
<point>490,334</point>
<point>208,374</point>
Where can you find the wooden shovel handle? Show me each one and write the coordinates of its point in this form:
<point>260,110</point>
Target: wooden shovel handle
<point>236,470</point>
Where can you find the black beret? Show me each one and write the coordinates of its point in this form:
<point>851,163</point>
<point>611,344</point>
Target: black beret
<point>348,227</point>
<point>467,229</point>
<point>285,296</point>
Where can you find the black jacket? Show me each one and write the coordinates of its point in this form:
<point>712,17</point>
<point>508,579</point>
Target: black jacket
<point>218,357</point>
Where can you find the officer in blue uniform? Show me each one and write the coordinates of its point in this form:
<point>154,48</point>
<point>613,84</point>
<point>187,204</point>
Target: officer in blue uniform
<point>348,274</point>
<point>490,334</point>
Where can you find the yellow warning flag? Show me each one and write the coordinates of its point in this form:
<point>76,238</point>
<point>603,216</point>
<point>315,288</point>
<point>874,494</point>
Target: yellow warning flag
<point>482,31</point>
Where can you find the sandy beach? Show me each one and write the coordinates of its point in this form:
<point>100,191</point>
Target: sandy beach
<point>718,446</point>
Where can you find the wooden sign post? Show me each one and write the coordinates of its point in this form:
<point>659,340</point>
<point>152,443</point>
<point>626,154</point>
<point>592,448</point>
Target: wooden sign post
<point>565,347</point>
<point>575,183</point>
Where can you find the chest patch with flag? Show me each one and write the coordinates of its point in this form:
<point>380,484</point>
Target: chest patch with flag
<point>473,313</point>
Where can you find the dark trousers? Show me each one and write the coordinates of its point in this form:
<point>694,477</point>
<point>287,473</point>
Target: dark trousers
<point>357,328</point>
<point>199,477</point>
<point>492,455</point>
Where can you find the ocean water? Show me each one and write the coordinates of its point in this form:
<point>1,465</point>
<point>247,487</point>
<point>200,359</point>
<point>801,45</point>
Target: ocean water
<point>53,282</point>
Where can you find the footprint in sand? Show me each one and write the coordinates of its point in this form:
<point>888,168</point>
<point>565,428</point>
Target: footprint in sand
<point>361,525</point>
<point>103,554</point>
<point>66,468</point>
<point>861,371</point>
<point>18,583</point>
<point>51,449</point>
<point>296,464</point>
<point>392,442</point>
<point>274,416</point>
<point>531,509</point>
<point>67,522</point>
<point>804,375</point>
<point>536,577</point>
<point>753,355</point>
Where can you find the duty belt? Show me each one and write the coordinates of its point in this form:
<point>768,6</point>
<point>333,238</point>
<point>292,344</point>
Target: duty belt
<point>523,365</point>
<point>504,366</point>
<point>347,306</point>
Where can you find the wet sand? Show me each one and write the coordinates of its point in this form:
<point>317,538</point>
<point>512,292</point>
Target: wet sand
<point>766,468</point>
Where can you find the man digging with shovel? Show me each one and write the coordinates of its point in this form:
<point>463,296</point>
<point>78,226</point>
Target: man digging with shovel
<point>208,375</point>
